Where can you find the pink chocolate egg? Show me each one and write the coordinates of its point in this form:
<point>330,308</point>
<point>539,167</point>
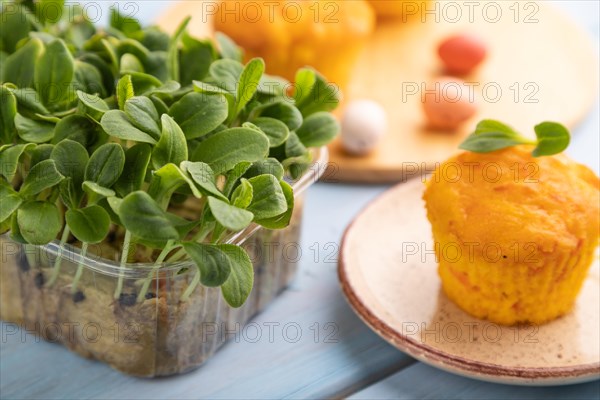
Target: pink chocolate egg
<point>448,103</point>
<point>462,53</point>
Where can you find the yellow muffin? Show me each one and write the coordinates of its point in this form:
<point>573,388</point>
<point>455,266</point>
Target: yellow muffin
<point>514,235</point>
<point>406,9</point>
<point>289,34</point>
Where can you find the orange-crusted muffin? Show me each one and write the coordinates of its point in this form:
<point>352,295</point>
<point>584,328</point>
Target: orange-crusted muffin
<point>514,235</point>
<point>289,34</point>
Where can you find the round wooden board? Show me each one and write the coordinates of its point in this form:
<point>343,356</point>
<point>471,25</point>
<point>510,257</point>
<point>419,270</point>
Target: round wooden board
<point>551,62</point>
<point>541,66</point>
<point>388,273</point>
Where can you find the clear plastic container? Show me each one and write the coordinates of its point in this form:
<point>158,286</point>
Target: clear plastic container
<point>160,335</point>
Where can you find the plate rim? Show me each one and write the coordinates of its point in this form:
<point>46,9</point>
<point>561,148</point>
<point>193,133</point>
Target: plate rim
<point>540,376</point>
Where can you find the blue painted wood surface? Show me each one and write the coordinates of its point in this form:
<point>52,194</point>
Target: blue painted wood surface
<point>421,381</point>
<point>352,361</point>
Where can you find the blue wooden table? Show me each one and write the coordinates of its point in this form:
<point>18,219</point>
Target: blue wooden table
<point>311,343</point>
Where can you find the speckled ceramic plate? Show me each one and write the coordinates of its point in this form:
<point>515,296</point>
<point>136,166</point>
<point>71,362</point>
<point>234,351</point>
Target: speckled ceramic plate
<point>389,274</point>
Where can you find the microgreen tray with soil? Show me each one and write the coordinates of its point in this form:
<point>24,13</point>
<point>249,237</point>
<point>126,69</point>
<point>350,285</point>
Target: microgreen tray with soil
<point>149,184</point>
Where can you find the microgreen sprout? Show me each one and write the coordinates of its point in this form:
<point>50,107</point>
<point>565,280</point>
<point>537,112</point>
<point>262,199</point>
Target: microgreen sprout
<point>103,132</point>
<point>490,135</point>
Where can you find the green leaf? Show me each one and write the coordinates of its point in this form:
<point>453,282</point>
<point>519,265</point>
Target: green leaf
<point>490,125</point>
<point>50,11</point>
<point>234,175</point>
<point>106,165</point>
<point>167,88</point>
<point>80,30</point>
<point>284,112</point>
<point>130,64</point>
<point>111,206</point>
<point>71,159</point>
<point>318,129</point>
<point>39,222</point>
<point>137,159</point>
<point>16,25</point>
<point>195,59</point>
<point>324,96</point>
<point>203,87</point>
<point>204,177</point>
<point>268,166</point>
<point>88,225</point>
<point>276,131</point>
<point>34,131</point>
<point>283,220</point>
<point>172,146</point>
<point>226,74</point>
<point>553,138</point>
<point>15,231</point>
<point>144,83</point>
<point>9,159</point>
<point>88,78</point>
<point>227,148</point>
<point>304,83</point>
<point>19,67</point>
<point>40,153</point>
<point>199,113</point>
<point>183,226</point>
<point>228,47</point>
<point>297,166</point>
<point>294,147</point>
<point>231,217</point>
<point>77,128</point>
<point>42,176</point>
<point>166,181</point>
<point>8,112</point>
<point>491,141</point>
<point>268,200</point>
<point>96,192</point>
<point>104,66</point>
<point>248,83</point>
<point>125,24</point>
<point>238,286</point>
<point>117,124</point>
<point>273,86</point>
<point>142,216</point>
<point>157,67</point>
<point>92,105</point>
<point>173,55</point>
<point>124,90</point>
<point>54,74</point>
<point>213,264</point>
<point>161,106</point>
<point>133,47</point>
<point>70,194</point>
<point>242,195</point>
<point>9,202</point>
<point>143,115</point>
<point>29,99</point>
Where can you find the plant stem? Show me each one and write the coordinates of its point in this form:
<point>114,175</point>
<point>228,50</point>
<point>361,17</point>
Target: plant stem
<point>84,249</point>
<point>156,267</point>
<point>31,258</point>
<point>124,256</point>
<point>192,286</point>
<point>58,261</point>
<point>202,233</point>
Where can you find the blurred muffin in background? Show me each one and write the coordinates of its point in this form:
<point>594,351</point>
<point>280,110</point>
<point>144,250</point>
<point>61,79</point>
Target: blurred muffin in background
<point>291,34</point>
<point>515,235</point>
<point>405,9</point>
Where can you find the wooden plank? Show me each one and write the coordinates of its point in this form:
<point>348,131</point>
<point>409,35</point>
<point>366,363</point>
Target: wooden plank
<point>424,382</point>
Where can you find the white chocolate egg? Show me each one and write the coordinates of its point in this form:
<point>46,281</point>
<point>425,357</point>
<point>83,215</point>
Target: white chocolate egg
<point>363,125</point>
